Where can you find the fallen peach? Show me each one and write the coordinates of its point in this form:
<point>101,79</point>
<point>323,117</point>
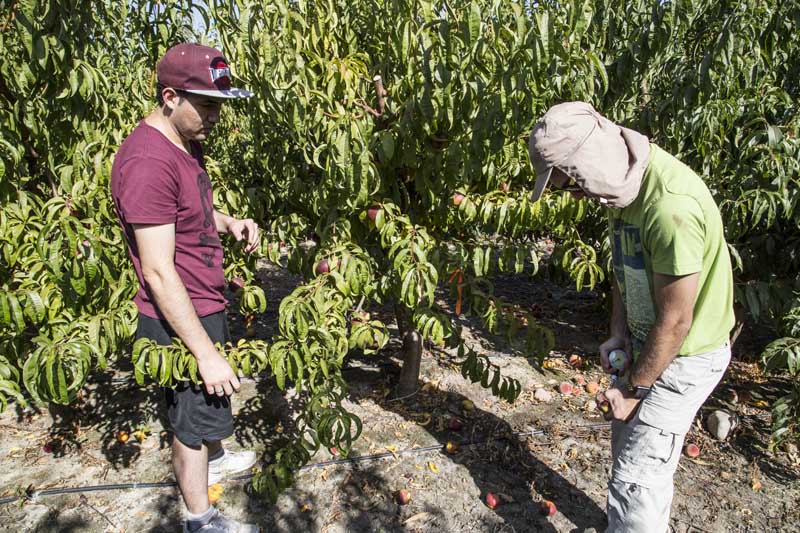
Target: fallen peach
<point>547,508</point>
<point>592,387</point>
<point>692,450</point>
<point>492,500</point>
<point>455,424</point>
<point>732,396</point>
<point>402,496</point>
<point>565,388</point>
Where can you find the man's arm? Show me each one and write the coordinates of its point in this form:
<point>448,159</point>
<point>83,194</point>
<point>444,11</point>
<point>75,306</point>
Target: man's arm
<point>674,298</point>
<point>241,229</point>
<point>619,321</point>
<point>156,244</point>
<point>221,220</point>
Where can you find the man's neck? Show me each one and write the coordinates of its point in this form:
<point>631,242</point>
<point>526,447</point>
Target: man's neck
<point>157,120</point>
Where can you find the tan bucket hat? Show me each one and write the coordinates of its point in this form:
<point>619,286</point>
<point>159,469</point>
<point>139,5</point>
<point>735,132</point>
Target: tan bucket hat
<point>607,161</point>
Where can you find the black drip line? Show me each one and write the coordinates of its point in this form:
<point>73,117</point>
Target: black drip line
<point>334,462</point>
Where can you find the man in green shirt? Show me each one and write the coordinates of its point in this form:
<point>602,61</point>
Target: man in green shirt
<point>672,296</point>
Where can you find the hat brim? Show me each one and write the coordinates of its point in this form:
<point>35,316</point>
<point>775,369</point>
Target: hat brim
<point>542,180</point>
<point>230,93</point>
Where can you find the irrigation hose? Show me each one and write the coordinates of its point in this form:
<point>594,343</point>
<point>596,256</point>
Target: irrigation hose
<point>349,460</point>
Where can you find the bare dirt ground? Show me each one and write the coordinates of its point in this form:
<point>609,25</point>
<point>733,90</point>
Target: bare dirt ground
<point>531,450</point>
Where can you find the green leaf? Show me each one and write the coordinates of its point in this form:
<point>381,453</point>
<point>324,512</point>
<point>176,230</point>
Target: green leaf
<point>600,68</point>
<point>474,22</point>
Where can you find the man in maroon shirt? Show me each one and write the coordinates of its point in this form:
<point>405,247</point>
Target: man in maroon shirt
<point>164,202</point>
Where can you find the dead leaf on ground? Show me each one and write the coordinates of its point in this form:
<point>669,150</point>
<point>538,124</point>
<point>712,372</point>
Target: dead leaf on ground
<point>215,492</point>
<point>417,517</point>
<point>424,419</point>
<point>755,477</point>
<point>431,385</point>
<point>572,453</point>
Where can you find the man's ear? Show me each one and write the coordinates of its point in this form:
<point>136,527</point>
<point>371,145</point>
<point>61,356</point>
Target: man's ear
<point>171,97</point>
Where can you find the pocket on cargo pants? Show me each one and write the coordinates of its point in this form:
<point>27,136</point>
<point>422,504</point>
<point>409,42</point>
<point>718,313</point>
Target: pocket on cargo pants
<point>644,454</point>
<point>682,388</point>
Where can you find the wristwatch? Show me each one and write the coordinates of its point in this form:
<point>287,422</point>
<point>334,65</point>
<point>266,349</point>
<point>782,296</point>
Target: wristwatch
<point>639,392</point>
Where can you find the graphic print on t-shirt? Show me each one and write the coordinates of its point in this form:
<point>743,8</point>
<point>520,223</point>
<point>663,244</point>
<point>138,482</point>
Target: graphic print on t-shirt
<point>207,202</point>
<point>634,287</point>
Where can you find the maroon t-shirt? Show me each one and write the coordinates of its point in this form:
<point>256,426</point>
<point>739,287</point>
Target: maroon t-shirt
<point>155,182</point>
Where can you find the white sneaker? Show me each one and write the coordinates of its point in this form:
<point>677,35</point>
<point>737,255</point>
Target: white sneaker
<point>219,523</point>
<point>229,463</point>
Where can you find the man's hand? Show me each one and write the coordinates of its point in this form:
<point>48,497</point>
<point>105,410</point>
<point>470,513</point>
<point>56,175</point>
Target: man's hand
<point>621,405</point>
<point>218,376</point>
<point>244,229</point>
<point>615,343</point>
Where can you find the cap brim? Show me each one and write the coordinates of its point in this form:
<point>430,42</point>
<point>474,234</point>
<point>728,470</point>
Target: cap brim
<point>542,180</point>
<point>230,93</point>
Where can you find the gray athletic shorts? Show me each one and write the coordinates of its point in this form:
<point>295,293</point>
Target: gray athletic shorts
<point>195,416</point>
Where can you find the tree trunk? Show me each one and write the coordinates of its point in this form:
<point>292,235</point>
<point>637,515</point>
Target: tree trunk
<point>739,312</point>
<point>412,353</point>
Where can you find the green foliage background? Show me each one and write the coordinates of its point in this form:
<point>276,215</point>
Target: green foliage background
<point>715,83</point>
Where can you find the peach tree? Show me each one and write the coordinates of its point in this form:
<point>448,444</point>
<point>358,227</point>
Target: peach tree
<point>345,191</point>
<point>67,100</point>
<point>385,154</point>
<point>395,132</point>
<point>389,155</point>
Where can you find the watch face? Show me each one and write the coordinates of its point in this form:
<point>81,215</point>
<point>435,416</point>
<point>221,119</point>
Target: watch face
<point>640,392</point>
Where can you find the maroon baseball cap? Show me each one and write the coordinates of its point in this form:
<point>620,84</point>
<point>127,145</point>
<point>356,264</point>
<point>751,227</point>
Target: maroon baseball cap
<point>198,69</point>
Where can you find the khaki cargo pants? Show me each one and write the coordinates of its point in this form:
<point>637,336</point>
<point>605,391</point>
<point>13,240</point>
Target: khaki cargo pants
<point>646,449</point>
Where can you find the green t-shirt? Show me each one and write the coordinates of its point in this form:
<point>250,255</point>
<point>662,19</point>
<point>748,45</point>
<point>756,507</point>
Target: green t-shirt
<point>673,227</point>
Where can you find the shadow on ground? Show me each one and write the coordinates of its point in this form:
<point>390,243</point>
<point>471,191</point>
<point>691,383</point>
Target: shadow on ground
<point>108,405</point>
<point>506,465</point>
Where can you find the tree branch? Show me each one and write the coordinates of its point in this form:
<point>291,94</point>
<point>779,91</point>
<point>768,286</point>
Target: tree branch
<point>381,92</point>
<point>360,103</point>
